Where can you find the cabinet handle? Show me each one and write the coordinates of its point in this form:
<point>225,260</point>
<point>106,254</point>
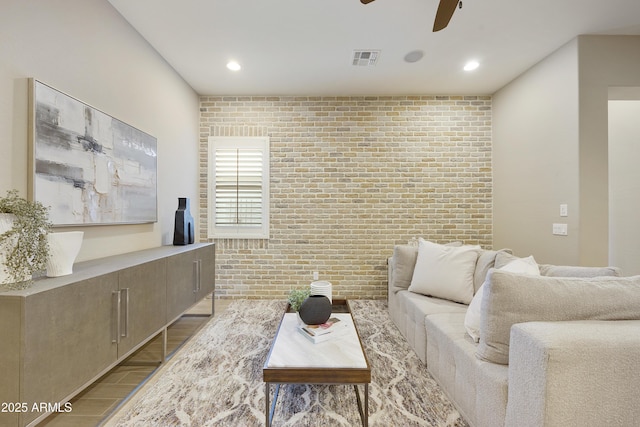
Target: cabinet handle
<point>199,275</point>
<point>196,276</point>
<point>115,322</point>
<point>125,301</point>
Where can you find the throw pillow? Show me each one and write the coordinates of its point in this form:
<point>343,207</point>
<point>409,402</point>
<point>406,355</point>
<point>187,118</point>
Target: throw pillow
<point>444,271</point>
<point>486,260</point>
<point>512,298</point>
<point>404,259</point>
<point>504,258</point>
<point>526,265</point>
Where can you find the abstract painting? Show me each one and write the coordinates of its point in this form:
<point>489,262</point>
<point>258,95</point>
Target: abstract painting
<point>88,167</point>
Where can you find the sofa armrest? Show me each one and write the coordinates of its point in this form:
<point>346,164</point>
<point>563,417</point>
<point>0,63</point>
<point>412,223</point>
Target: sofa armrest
<point>578,373</point>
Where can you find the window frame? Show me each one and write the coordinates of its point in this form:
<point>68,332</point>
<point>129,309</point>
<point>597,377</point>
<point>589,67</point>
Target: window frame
<point>238,231</point>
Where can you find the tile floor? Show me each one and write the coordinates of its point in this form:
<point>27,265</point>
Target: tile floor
<point>107,394</point>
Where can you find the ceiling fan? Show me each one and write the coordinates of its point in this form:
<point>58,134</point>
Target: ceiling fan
<point>443,15</point>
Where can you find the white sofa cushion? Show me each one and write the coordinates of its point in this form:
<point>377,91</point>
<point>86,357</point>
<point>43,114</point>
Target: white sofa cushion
<point>503,258</point>
<point>526,265</point>
<point>444,271</point>
<point>511,298</point>
<point>478,389</point>
<point>577,271</point>
<point>416,308</point>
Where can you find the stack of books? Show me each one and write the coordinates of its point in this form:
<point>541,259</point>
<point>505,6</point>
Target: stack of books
<point>323,332</point>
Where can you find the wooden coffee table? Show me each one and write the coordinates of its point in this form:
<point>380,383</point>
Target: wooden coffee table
<point>293,359</point>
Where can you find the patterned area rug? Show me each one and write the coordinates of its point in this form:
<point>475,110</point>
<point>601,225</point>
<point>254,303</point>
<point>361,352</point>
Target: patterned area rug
<point>216,379</point>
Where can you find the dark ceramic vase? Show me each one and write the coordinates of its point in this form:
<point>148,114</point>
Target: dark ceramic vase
<point>183,233</point>
<point>315,310</point>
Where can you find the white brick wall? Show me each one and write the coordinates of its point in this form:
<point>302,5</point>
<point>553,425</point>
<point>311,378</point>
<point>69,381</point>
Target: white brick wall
<point>350,178</point>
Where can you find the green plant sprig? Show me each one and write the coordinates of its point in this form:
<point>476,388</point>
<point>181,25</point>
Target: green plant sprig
<point>297,297</point>
<point>25,244</point>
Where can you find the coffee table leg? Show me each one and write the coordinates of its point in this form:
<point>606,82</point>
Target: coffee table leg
<point>270,410</point>
<point>364,413</point>
<point>366,405</point>
<point>267,421</point>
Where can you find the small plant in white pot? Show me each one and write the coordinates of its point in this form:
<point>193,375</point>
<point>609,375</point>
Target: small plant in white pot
<point>24,226</point>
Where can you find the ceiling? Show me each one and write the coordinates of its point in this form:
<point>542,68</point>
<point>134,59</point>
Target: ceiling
<point>305,47</point>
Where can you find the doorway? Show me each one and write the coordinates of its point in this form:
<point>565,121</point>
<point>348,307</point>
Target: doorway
<point>624,178</point>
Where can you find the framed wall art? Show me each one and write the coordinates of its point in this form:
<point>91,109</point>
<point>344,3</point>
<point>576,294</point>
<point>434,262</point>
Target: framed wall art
<point>88,167</point>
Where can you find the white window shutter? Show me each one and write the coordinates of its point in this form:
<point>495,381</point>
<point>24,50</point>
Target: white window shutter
<point>239,182</point>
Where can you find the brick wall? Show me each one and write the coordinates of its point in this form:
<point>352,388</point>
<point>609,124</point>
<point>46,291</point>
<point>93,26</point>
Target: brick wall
<point>350,178</point>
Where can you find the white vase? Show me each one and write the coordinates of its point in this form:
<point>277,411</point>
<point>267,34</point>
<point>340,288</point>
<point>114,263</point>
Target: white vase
<point>63,250</point>
<point>6,223</point>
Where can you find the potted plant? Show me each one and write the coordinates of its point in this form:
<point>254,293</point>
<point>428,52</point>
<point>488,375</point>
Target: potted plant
<point>24,226</point>
<point>297,297</point>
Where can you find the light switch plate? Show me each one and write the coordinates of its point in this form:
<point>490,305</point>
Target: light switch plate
<point>564,210</point>
<point>560,229</point>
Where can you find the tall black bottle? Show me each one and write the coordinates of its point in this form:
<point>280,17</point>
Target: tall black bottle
<point>183,232</point>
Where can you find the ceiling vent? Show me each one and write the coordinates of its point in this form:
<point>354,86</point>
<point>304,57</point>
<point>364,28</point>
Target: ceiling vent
<point>365,58</point>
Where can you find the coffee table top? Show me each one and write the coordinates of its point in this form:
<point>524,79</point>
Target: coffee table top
<point>294,358</point>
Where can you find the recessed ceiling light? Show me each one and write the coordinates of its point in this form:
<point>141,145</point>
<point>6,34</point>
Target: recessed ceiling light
<point>471,65</point>
<point>414,56</point>
<point>233,66</point>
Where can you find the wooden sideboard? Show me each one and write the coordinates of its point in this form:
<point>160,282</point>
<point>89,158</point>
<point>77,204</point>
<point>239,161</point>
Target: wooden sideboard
<point>63,333</point>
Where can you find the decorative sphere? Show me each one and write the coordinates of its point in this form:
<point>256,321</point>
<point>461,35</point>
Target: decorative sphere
<point>315,310</point>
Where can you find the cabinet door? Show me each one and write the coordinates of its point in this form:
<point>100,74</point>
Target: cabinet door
<point>69,333</point>
<point>10,356</point>
<point>207,273</point>
<point>143,293</point>
<point>181,283</point>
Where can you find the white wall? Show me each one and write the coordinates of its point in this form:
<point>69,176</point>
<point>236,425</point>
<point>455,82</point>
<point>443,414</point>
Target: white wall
<point>87,50</point>
<point>605,61</point>
<point>624,185</point>
<point>535,159</point>
<point>550,136</point>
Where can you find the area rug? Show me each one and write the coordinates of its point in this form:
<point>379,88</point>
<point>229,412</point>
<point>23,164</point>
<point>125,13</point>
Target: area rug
<point>216,379</point>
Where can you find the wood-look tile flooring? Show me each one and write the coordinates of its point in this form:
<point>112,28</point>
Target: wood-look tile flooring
<point>107,394</point>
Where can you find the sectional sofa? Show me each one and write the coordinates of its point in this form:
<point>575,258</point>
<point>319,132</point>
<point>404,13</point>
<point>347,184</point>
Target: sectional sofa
<point>514,343</point>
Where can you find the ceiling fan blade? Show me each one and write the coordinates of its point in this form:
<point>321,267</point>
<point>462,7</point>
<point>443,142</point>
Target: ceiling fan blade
<point>444,14</point>
<point>365,1</point>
